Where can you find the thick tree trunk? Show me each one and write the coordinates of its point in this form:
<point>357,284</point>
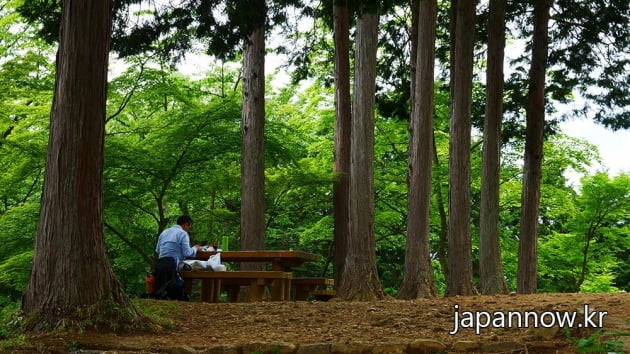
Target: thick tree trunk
<point>460,280</point>
<point>360,277</point>
<point>418,278</point>
<point>343,116</point>
<point>490,267</point>
<point>532,169</point>
<point>253,161</point>
<point>71,270</point>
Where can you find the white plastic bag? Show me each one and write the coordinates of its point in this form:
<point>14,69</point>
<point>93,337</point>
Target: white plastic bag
<point>214,262</point>
<point>192,265</point>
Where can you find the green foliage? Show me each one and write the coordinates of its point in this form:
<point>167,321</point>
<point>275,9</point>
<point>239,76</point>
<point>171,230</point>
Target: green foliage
<point>174,148</point>
<point>299,199</point>
<point>584,61</point>
<point>14,272</point>
<point>604,223</point>
<point>591,257</point>
<point>173,145</point>
<point>594,343</point>
<point>9,318</point>
<point>26,82</point>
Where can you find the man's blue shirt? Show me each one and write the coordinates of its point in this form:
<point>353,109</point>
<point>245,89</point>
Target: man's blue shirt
<point>174,242</point>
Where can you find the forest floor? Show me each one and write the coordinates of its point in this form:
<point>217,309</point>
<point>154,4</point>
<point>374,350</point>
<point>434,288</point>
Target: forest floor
<point>388,326</point>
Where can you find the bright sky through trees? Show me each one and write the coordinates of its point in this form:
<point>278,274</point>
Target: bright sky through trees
<point>613,146</point>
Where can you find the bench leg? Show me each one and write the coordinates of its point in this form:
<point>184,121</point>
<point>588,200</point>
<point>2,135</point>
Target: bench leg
<point>278,289</point>
<point>302,292</point>
<point>256,291</point>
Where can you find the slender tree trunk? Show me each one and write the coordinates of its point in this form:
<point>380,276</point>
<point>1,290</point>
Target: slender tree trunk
<point>460,280</point>
<point>343,116</point>
<point>490,267</point>
<point>452,25</point>
<point>418,278</point>
<point>360,277</point>
<point>583,269</point>
<point>444,233</point>
<point>441,206</point>
<point>253,164</point>
<point>532,169</point>
<point>413,34</point>
<point>70,269</point>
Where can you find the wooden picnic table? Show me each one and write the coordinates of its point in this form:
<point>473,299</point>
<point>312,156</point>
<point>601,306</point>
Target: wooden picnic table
<point>278,279</point>
<point>280,260</point>
<point>212,283</point>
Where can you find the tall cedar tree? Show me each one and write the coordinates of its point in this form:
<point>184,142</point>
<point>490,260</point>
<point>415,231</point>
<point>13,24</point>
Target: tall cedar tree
<point>343,115</point>
<point>460,276</point>
<point>360,277</point>
<point>490,267</point>
<point>71,272</point>
<point>253,161</point>
<point>418,279</point>
<point>532,168</point>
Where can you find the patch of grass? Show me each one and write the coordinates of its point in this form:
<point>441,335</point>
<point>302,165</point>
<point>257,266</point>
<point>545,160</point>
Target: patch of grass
<point>144,315</point>
<point>107,315</point>
<point>19,341</point>
<point>12,335</point>
<point>158,311</point>
<point>598,342</point>
<point>72,346</point>
<point>11,319</point>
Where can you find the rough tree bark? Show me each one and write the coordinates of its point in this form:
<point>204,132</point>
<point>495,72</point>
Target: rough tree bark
<point>253,161</point>
<point>71,278</point>
<point>460,279</point>
<point>532,168</point>
<point>418,279</point>
<point>343,116</point>
<point>490,267</point>
<point>360,276</point>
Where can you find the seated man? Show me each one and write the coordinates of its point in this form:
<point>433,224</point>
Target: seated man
<point>173,247</point>
<point>168,283</point>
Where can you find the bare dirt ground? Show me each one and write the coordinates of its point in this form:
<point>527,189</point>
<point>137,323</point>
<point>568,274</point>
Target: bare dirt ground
<point>389,326</point>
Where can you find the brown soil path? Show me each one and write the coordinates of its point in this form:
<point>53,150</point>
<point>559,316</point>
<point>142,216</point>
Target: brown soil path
<point>384,326</point>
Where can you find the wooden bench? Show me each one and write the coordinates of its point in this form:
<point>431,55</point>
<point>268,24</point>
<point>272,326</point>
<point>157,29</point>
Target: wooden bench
<point>323,294</point>
<point>212,282</point>
<point>318,287</point>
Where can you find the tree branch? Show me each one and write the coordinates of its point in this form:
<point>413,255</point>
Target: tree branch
<point>128,242</point>
<point>129,94</point>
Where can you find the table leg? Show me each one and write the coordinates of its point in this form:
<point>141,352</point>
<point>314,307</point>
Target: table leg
<point>232,292</point>
<point>206,290</point>
<point>287,289</point>
<point>188,286</point>
<point>216,290</point>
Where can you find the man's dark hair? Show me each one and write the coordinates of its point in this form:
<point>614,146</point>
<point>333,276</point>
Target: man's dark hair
<point>184,219</point>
